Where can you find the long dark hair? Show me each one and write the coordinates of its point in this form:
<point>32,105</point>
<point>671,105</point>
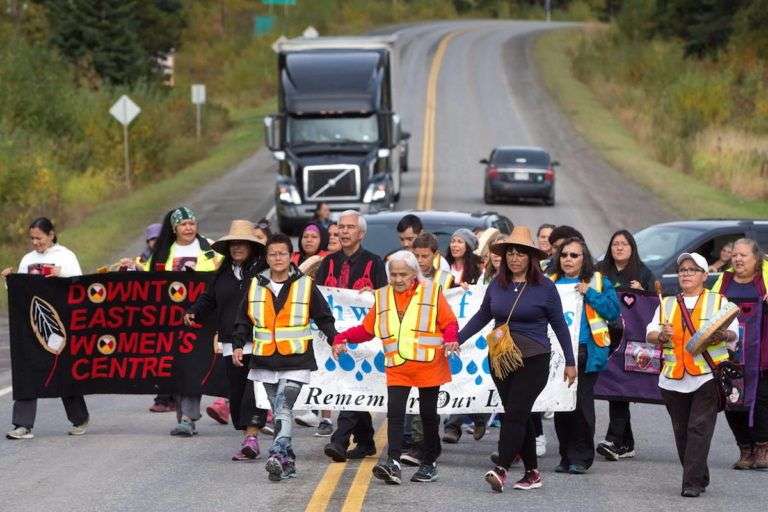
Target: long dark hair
<point>165,241</point>
<point>587,266</point>
<point>533,275</point>
<point>323,239</point>
<point>472,262</point>
<point>252,264</point>
<point>632,270</point>
<point>45,225</point>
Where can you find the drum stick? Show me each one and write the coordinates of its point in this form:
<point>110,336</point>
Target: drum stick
<point>657,285</point>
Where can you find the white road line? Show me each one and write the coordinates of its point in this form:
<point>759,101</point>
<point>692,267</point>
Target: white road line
<point>5,391</point>
<point>271,213</point>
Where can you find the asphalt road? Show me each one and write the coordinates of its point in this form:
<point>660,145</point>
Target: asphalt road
<point>488,94</point>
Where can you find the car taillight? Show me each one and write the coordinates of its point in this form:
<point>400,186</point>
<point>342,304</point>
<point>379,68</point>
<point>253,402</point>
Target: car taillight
<point>493,171</point>
<point>549,175</point>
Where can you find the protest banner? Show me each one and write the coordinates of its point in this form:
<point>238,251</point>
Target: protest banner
<point>356,381</point>
<point>120,332</point>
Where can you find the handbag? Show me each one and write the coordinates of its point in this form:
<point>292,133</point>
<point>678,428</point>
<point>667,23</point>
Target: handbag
<point>504,354</point>
<point>728,375</point>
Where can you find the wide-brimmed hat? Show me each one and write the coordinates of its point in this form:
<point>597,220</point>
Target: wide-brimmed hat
<point>483,238</point>
<point>520,239</point>
<point>239,231</point>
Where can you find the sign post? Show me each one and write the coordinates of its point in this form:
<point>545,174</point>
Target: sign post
<point>125,111</point>
<point>198,98</point>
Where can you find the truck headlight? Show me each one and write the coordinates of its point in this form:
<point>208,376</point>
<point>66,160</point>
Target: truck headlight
<point>288,193</point>
<point>375,192</point>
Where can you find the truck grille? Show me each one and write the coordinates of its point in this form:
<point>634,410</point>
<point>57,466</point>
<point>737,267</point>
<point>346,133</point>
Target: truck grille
<point>335,182</point>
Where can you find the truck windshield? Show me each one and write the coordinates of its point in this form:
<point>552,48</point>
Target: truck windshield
<point>323,130</point>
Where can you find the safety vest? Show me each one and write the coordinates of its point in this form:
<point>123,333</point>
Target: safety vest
<point>597,324</point>
<point>677,360</point>
<point>443,278</point>
<point>413,337</point>
<point>718,286</point>
<point>208,260</point>
<point>286,330</point>
<point>436,261</point>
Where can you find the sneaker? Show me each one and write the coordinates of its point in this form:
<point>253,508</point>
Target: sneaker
<point>479,431</point>
<point>562,467</point>
<point>389,472</point>
<point>541,445</point>
<point>185,428</point>
<point>425,473</point>
<point>250,447</point>
<point>335,452</point>
<point>451,436</point>
<point>412,457</point>
<point>268,429</point>
<point>691,492</point>
<point>531,480</point>
<point>361,452</point>
<point>219,411</point>
<point>20,433</point>
<point>161,407</point>
<point>577,469</point>
<point>496,423</point>
<point>274,468</point>
<point>325,428</point>
<point>608,450</point>
<point>289,469</point>
<point>78,430</point>
<point>308,419</point>
<point>626,452</point>
<point>496,478</point>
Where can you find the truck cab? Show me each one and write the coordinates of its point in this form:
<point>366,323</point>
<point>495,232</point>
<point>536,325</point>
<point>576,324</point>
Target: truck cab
<point>335,137</point>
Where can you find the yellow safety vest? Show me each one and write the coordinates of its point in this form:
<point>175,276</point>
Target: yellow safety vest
<point>443,278</point>
<point>207,261</point>
<point>415,336</point>
<point>436,260</point>
<point>286,330</point>
<point>677,360</point>
<point>719,283</point>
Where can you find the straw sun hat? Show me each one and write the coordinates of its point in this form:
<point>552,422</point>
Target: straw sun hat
<point>239,231</point>
<point>520,239</point>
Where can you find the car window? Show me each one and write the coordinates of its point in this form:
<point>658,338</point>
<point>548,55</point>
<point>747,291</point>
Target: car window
<point>382,238</point>
<point>711,248</point>
<point>502,224</point>
<point>658,245</point>
<point>520,158</point>
<point>760,236</point>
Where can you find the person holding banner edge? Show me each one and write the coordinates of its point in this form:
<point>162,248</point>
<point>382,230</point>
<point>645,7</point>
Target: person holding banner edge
<point>48,258</point>
<point>687,386</point>
<point>748,279</point>
<point>576,429</point>
<point>275,316</point>
<point>520,369</point>
<point>418,331</point>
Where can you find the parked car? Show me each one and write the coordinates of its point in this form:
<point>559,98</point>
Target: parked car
<point>519,173</point>
<point>660,244</point>
<point>382,238</point>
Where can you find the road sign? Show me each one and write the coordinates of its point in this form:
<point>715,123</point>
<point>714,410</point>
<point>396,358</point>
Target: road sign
<point>310,32</point>
<point>276,44</point>
<point>263,24</point>
<point>124,110</point>
<point>198,94</point>
<point>278,2</point>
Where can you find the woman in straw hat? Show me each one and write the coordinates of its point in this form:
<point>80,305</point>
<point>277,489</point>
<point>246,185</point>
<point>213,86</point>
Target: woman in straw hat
<point>242,251</point>
<point>523,301</point>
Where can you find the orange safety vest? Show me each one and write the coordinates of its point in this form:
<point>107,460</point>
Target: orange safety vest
<point>677,360</point>
<point>414,337</point>
<point>286,330</point>
<point>597,324</point>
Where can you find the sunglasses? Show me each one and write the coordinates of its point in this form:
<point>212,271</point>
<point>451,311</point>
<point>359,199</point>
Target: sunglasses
<point>572,255</point>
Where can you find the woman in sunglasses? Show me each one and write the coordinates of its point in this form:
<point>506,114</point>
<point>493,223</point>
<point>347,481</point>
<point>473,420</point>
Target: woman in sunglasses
<point>576,429</point>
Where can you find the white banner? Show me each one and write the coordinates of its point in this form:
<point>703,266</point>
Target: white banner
<point>356,381</point>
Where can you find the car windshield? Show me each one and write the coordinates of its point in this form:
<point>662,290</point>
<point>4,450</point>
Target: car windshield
<point>657,245</point>
<point>382,237</point>
<point>520,158</point>
<point>323,130</point>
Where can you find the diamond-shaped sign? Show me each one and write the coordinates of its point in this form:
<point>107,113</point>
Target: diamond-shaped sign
<point>124,110</point>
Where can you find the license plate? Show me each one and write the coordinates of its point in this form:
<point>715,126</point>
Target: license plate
<point>522,176</point>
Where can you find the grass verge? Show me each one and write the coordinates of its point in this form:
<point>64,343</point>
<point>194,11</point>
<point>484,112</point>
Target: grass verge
<point>681,193</point>
<point>111,225</point>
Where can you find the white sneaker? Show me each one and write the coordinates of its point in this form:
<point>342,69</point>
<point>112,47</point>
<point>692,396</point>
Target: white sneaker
<point>308,419</point>
<point>541,445</point>
<point>20,433</point>
<point>79,430</point>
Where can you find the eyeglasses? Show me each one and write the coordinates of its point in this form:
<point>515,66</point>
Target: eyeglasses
<point>572,255</point>
<point>276,255</point>
<point>688,271</point>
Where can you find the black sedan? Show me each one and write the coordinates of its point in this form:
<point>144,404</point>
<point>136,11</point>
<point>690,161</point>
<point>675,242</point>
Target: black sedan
<point>519,173</point>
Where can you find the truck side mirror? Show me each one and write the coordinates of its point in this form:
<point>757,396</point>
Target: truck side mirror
<point>396,131</point>
<point>405,135</point>
<point>272,132</point>
<point>554,163</point>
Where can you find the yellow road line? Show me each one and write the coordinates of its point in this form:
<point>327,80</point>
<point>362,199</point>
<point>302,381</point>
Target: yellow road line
<point>359,487</point>
<point>427,178</point>
<point>325,488</point>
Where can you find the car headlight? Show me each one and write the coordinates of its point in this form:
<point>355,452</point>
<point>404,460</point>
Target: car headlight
<point>288,193</point>
<point>375,192</point>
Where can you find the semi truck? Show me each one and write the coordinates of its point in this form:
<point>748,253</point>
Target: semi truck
<point>336,136</point>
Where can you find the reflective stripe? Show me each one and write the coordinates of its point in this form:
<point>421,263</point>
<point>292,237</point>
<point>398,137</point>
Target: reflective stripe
<point>425,309</point>
<point>300,292</point>
<point>443,278</point>
<point>430,340</point>
<point>283,333</point>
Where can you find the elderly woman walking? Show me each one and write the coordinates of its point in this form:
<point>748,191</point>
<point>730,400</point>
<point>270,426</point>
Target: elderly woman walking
<point>418,330</point>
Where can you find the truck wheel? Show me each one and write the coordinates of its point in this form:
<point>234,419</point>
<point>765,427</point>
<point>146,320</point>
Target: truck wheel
<point>487,196</point>
<point>404,161</point>
<point>550,201</point>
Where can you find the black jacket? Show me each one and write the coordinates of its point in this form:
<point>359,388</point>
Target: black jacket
<point>319,312</point>
<point>622,278</point>
<point>358,262</point>
<point>224,296</point>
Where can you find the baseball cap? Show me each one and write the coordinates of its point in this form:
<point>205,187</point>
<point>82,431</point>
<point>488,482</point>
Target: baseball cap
<point>152,231</point>
<point>697,258</point>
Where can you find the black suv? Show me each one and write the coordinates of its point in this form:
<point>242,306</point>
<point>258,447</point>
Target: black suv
<point>660,244</point>
<point>382,238</point>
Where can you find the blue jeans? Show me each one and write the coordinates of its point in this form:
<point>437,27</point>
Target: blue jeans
<point>282,396</point>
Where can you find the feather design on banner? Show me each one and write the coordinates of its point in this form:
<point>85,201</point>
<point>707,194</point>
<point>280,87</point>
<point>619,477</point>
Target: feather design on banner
<point>49,330</point>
